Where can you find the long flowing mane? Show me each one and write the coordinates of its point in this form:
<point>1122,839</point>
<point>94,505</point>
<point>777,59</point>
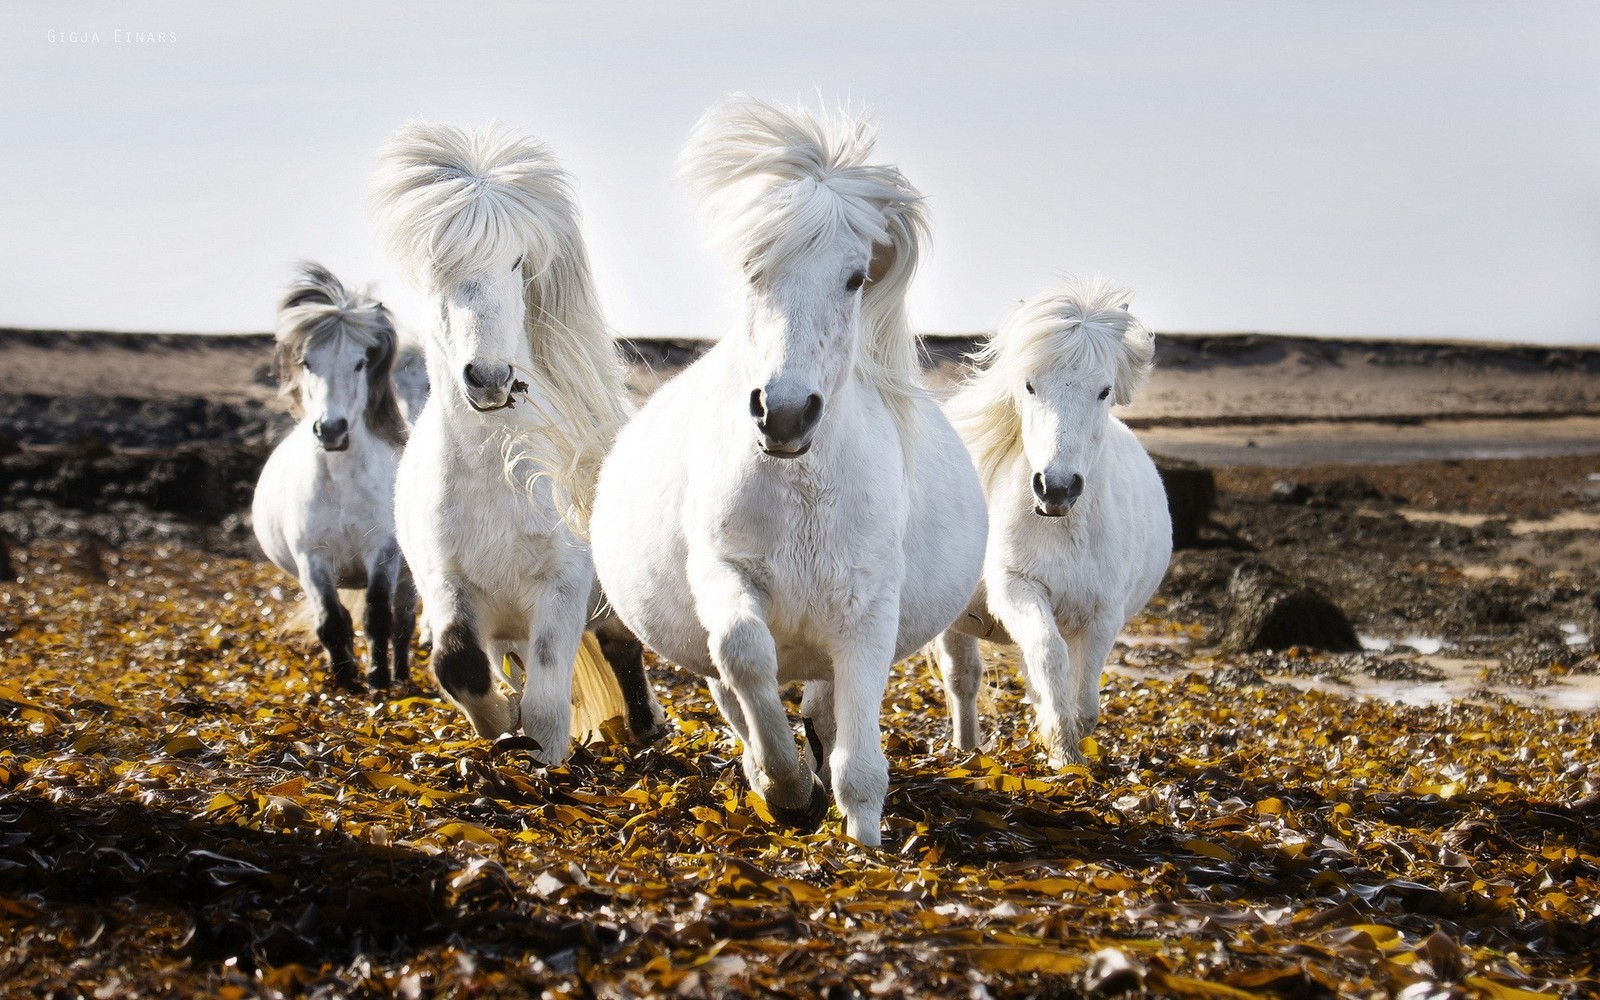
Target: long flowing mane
<point>452,202</point>
<point>776,183</point>
<point>317,308</point>
<point>1077,325</point>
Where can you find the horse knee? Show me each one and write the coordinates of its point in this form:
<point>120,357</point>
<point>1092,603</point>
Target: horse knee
<point>460,663</point>
<point>745,653</point>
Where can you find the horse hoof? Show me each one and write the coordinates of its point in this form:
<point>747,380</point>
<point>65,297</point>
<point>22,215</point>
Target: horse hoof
<point>647,734</point>
<point>377,681</point>
<point>809,818</point>
<point>348,682</point>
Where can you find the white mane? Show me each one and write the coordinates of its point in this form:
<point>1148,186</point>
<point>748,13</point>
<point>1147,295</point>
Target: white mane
<point>1080,325</point>
<point>777,183</point>
<point>451,203</point>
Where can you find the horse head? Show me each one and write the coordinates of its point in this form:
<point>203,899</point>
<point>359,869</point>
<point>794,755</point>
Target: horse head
<point>823,238</point>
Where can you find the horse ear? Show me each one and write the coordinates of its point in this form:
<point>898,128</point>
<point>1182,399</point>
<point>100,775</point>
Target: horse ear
<point>883,256</point>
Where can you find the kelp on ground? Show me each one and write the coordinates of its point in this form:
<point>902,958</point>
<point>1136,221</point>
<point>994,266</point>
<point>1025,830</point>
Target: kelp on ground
<point>183,809</point>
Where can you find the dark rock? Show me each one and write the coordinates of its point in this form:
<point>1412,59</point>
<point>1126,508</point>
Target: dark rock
<point>1268,611</point>
<point>1289,491</point>
<point>1191,495</point>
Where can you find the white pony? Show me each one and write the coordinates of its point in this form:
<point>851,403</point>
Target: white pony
<point>1080,531</point>
<point>323,507</point>
<point>524,378</point>
<point>792,507</point>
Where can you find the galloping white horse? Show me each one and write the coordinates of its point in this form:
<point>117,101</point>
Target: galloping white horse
<point>323,507</point>
<point>1080,535</point>
<point>524,378</point>
<point>792,506</point>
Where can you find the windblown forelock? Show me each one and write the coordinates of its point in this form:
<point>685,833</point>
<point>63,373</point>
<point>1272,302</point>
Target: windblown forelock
<point>776,184</point>
<point>452,203</point>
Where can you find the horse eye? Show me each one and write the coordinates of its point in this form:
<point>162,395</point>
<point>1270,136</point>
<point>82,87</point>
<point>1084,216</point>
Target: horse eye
<point>855,281</point>
<point>1028,386</point>
<point>1105,392</point>
<point>518,265</point>
<point>305,364</point>
<point>363,363</point>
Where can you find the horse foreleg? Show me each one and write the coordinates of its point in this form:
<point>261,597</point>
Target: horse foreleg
<point>461,665</point>
<point>1028,617</point>
<point>405,622</point>
<point>860,770</point>
<point>625,653</point>
<point>379,624</point>
<point>728,705</point>
<point>557,629</point>
<point>1089,653</point>
<point>746,659</point>
<point>335,630</point>
<point>816,710</point>
<point>962,669</point>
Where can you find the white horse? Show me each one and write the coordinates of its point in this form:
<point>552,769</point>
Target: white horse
<point>1080,532</point>
<point>793,507</point>
<point>524,378</point>
<point>323,507</point>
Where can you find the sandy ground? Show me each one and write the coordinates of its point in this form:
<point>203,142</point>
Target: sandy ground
<point>1219,399</point>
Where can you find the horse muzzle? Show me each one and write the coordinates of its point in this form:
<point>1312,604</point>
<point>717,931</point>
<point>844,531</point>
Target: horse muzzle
<point>1055,498</point>
<point>332,435</point>
<point>487,386</point>
<point>785,427</point>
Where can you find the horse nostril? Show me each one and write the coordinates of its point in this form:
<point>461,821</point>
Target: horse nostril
<point>758,405</point>
<point>812,412</point>
<point>316,427</point>
<point>471,378</point>
<point>1074,487</point>
<point>1039,489</point>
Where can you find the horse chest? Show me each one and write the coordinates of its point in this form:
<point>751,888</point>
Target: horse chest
<point>807,544</point>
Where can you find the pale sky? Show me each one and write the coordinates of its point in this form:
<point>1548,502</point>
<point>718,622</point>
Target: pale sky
<point>1374,169</point>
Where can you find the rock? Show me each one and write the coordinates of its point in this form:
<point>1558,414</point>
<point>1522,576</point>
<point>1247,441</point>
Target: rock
<point>1289,491</point>
<point>1267,611</point>
<point>1191,495</point>
<point>1111,973</point>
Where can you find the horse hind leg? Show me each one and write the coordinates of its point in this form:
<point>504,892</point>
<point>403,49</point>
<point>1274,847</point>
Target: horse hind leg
<point>625,653</point>
<point>335,630</point>
<point>379,626</point>
<point>816,712</point>
<point>405,624</point>
<point>962,669</point>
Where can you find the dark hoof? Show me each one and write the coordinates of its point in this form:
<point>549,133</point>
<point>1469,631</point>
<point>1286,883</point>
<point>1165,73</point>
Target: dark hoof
<point>809,818</point>
<point>348,681</point>
<point>512,742</point>
<point>377,681</point>
<point>647,734</point>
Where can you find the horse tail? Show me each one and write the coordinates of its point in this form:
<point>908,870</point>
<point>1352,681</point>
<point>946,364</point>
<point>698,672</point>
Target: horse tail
<point>599,710</point>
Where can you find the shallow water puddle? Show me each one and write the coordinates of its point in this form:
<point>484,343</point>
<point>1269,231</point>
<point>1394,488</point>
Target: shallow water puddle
<point>1568,520</point>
